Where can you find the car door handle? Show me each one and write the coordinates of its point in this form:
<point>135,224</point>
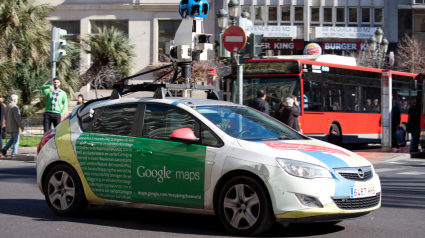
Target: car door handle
<point>87,144</point>
<point>145,151</point>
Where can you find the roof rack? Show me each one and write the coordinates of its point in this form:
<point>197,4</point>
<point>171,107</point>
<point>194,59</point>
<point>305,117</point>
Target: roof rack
<point>162,90</point>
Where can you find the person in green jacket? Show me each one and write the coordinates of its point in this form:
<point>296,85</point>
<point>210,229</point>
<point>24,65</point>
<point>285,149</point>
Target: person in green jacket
<point>56,104</point>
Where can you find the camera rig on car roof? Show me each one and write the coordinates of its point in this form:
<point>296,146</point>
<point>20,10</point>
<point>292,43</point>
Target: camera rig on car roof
<point>190,45</point>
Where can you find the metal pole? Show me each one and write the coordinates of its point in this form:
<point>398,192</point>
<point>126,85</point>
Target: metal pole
<point>239,64</point>
<point>53,71</point>
<point>386,99</point>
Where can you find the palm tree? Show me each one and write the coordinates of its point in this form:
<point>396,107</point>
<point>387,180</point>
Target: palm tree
<point>108,46</point>
<point>24,29</point>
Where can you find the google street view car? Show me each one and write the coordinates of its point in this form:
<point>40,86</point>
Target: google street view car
<point>200,155</point>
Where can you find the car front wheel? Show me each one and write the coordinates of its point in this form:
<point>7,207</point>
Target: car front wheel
<point>63,191</point>
<point>245,208</point>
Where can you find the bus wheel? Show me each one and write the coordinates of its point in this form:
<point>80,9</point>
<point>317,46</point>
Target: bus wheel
<point>335,136</point>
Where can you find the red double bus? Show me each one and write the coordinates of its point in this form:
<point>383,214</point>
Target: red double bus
<point>340,103</point>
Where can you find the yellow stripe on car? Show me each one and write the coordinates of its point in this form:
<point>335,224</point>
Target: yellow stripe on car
<point>67,154</point>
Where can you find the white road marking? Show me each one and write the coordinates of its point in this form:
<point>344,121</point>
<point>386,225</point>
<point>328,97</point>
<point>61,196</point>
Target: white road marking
<point>395,162</point>
<point>413,173</point>
<point>387,169</point>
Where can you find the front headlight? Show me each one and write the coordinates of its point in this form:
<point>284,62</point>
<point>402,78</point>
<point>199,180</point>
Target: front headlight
<point>304,170</point>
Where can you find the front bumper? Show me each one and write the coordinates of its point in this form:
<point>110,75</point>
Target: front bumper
<point>323,218</point>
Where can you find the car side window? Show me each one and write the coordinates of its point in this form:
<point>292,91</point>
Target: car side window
<point>116,120</point>
<point>209,139</point>
<point>160,121</point>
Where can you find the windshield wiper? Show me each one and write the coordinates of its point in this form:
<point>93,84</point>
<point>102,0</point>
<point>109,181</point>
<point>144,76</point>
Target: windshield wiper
<point>279,138</point>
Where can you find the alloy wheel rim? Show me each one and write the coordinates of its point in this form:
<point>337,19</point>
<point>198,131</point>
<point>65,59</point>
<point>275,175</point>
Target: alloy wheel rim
<point>241,206</point>
<point>61,190</point>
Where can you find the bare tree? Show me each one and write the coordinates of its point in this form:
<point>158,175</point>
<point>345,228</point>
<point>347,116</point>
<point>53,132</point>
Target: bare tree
<point>199,69</point>
<point>105,78</point>
<point>410,55</point>
<point>366,58</point>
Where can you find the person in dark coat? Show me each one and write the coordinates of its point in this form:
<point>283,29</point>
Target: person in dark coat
<point>395,122</point>
<point>260,102</point>
<point>279,111</point>
<point>2,113</point>
<point>290,115</point>
<point>414,124</point>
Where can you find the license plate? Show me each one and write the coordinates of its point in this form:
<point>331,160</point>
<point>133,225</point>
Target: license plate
<point>364,191</point>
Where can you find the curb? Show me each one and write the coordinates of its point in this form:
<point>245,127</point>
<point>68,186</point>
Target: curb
<point>26,157</point>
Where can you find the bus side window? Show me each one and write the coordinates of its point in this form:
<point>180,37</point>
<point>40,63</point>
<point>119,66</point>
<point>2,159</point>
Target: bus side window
<point>312,97</point>
<point>352,102</point>
<point>371,99</point>
<point>332,96</point>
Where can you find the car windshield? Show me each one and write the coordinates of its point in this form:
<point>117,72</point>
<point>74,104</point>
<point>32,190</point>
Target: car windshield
<point>246,123</point>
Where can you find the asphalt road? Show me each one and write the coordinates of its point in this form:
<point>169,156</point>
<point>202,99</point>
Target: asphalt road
<point>24,213</point>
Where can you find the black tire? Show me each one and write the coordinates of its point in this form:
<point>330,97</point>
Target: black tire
<point>64,192</point>
<point>335,136</point>
<point>257,207</point>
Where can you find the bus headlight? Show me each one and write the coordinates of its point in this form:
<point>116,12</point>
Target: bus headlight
<point>303,170</point>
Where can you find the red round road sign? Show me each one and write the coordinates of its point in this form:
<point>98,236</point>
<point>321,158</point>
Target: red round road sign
<point>234,39</point>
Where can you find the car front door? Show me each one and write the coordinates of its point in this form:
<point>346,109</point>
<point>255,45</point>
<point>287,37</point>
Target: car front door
<point>167,172</point>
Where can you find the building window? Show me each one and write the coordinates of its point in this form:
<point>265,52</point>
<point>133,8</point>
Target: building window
<point>419,23</point>
<point>340,15</point>
<point>379,15</point>
<point>273,14</point>
<point>166,31</point>
<point>299,14</point>
<point>72,28</point>
<point>259,13</point>
<point>419,1</point>
<point>247,9</point>
<point>315,15</point>
<point>121,25</point>
<point>327,15</point>
<point>366,15</point>
<point>286,14</point>
<point>353,15</point>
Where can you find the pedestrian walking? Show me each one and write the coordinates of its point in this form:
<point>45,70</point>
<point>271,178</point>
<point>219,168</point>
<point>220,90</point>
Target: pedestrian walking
<point>260,102</point>
<point>13,123</point>
<point>395,121</point>
<point>414,124</point>
<point>2,121</point>
<point>290,115</point>
<point>56,105</point>
<point>279,111</point>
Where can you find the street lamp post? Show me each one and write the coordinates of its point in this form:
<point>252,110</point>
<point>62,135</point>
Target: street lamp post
<point>378,46</point>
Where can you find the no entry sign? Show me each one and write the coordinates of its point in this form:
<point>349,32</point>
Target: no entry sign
<point>234,39</point>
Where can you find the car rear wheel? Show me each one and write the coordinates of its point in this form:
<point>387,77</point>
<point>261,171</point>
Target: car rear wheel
<point>64,192</point>
<point>245,208</point>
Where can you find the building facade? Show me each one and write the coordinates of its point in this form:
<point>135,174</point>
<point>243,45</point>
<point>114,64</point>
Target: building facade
<point>411,19</point>
<point>148,24</point>
<point>336,26</point>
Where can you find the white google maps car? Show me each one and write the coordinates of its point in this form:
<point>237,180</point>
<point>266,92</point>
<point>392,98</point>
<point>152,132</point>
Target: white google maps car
<point>199,154</point>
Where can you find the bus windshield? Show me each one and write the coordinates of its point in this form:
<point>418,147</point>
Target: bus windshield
<point>247,124</point>
<point>277,90</point>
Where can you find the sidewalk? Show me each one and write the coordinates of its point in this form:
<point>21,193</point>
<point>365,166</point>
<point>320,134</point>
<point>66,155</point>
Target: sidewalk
<point>373,155</point>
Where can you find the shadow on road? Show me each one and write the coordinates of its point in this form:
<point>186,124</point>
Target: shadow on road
<point>148,220</point>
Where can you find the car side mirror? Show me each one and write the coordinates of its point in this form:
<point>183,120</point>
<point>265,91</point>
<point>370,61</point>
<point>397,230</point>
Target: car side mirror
<point>184,135</point>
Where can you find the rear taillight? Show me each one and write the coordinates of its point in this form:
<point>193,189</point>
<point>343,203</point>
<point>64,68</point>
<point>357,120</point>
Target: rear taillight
<point>45,139</point>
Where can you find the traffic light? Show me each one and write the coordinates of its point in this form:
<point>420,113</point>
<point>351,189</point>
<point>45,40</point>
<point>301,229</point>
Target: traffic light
<point>254,48</point>
<point>223,53</point>
<point>55,52</point>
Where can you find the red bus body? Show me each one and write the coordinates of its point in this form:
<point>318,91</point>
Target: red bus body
<point>355,127</point>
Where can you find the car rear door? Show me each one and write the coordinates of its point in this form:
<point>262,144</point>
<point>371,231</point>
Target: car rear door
<point>167,172</point>
<point>105,152</point>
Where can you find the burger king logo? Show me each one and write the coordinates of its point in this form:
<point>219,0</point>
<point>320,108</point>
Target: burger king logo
<point>313,49</point>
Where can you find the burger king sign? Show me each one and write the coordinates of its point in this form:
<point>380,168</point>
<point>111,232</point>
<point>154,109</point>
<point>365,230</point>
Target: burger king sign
<point>312,49</point>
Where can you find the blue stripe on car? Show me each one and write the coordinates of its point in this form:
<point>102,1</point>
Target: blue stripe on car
<point>175,103</point>
<point>342,185</point>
